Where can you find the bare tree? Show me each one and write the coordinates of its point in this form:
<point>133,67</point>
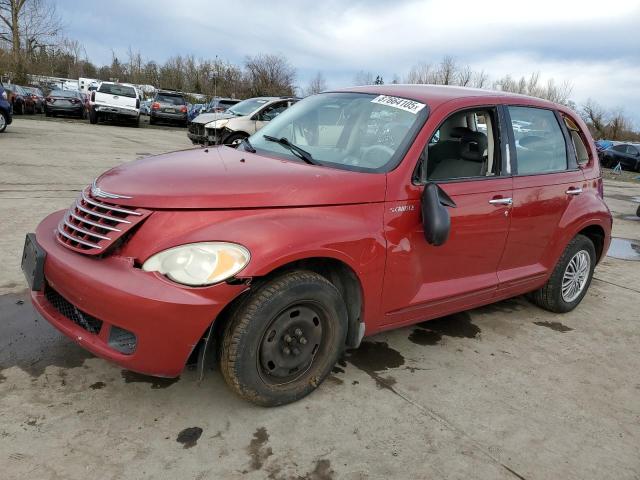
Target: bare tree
<point>447,71</point>
<point>26,26</point>
<point>363,78</point>
<point>317,84</point>
<point>594,114</point>
<point>269,75</point>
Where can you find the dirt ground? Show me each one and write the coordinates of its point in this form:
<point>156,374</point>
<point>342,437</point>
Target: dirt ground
<point>507,391</point>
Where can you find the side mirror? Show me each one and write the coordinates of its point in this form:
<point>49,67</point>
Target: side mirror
<point>435,216</point>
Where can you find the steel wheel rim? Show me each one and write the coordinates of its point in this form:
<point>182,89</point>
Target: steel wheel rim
<point>575,276</point>
<point>291,343</point>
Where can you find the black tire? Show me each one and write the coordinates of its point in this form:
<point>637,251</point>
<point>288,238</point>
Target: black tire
<point>550,296</point>
<point>19,109</point>
<point>265,324</point>
<point>234,139</point>
<point>638,211</point>
<point>152,121</point>
<point>4,123</point>
<point>93,117</point>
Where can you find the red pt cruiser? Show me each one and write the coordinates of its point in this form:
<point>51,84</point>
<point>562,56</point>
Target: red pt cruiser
<point>353,212</point>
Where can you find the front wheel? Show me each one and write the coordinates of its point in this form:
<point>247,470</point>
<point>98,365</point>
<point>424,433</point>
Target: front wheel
<point>283,340</point>
<point>570,279</point>
<point>3,122</point>
<point>235,139</point>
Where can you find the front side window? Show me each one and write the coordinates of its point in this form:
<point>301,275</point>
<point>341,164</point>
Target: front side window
<point>352,131</point>
<point>620,148</point>
<point>272,111</point>
<point>631,150</point>
<point>464,146</point>
<point>540,145</point>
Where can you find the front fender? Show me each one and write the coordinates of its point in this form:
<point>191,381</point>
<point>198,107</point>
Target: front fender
<point>275,237</point>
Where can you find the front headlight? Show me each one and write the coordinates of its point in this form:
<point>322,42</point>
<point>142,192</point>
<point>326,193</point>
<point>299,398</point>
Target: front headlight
<point>198,264</point>
<point>217,124</point>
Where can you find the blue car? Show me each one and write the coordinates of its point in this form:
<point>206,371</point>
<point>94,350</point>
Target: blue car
<point>5,109</point>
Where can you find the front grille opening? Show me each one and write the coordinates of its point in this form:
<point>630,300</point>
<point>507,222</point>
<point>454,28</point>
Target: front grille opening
<point>90,323</point>
<point>122,340</point>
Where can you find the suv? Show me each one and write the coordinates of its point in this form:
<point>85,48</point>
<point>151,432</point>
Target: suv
<point>626,154</point>
<point>5,109</point>
<point>114,100</point>
<point>168,106</point>
<point>238,121</point>
<point>354,212</point>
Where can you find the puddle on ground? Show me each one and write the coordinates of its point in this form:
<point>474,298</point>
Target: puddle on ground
<point>156,382</point>
<point>624,249</point>
<point>258,450</point>
<point>189,436</point>
<point>557,326</point>
<point>31,343</point>
<point>431,332</point>
<point>374,357</point>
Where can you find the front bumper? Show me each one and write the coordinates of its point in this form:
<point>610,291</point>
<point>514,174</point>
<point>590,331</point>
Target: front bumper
<point>168,320</point>
<point>199,134</point>
<point>121,111</point>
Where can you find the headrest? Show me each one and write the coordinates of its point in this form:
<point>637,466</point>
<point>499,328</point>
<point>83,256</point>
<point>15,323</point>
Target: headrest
<point>473,146</point>
<point>459,132</point>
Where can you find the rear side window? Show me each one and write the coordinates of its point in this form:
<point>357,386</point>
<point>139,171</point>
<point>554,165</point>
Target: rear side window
<point>579,145</point>
<point>540,145</point>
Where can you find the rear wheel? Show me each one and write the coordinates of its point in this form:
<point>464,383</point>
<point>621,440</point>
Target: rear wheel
<point>283,340</point>
<point>570,279</point>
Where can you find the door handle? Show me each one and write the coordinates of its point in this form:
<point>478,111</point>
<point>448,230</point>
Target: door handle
<point>574,191</point>
<point>501,201</point>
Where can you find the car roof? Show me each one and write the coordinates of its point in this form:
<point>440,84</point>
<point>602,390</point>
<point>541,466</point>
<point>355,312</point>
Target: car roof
<point>435,95</point>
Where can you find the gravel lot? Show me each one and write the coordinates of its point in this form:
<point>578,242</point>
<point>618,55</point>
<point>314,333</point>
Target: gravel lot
<point>505,391</point>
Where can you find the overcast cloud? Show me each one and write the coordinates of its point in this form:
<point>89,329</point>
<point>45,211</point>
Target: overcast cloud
<point>593,45</point>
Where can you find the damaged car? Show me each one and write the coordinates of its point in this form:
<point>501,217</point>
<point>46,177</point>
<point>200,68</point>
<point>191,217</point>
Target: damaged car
<point>354,212</point>
<point>238,122</point>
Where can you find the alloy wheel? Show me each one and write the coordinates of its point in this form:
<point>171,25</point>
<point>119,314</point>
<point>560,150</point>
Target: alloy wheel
<point>575,276</point>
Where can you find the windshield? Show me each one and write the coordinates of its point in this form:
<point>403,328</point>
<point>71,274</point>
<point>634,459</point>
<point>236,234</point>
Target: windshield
<point>247,106</point>
<point>352,131</point>
<point>115,89</point>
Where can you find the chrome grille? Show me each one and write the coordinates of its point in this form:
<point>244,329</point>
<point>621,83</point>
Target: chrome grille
<point>91,226</point>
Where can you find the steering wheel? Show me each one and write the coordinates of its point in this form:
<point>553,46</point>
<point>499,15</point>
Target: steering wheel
<point>377,155</point>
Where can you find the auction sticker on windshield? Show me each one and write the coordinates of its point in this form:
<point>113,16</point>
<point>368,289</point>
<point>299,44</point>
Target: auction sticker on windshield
<point>401,103</point>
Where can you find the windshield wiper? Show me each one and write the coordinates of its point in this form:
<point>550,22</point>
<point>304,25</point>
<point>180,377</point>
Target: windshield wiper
<point>247,145</point>
<point>284,141</point>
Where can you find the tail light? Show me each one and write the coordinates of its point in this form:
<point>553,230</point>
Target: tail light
<point>155,106</point>
<point>183,109</point>
<point>93,96</point>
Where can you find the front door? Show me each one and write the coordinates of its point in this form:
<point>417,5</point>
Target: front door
<point>424,281</point>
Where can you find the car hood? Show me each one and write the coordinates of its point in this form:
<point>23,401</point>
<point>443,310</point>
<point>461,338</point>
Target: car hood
<point>223,178</point>
<point>210,117</point>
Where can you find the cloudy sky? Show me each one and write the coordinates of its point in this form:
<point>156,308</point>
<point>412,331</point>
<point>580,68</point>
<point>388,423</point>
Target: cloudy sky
<point>593,45</point>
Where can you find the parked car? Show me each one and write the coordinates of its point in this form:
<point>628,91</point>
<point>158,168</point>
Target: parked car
<point>38,99</point>
<point>627,154</point>
<point>238,121</point>
<point>168,106</point>
<point>5,109</point>
<point>65,102</point>
<point>354,212</point>
<point>15,96</point>
<point>112,100</point>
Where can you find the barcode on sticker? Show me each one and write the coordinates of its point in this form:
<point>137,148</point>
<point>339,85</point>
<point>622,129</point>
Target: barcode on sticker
<point>410,106</point>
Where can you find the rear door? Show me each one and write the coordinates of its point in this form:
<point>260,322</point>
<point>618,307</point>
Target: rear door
<point>546,180</point>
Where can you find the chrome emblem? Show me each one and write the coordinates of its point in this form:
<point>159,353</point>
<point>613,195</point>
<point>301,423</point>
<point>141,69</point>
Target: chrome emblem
<point>98,192</point>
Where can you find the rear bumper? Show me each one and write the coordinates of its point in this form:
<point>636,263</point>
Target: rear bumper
<point>167,320</point>
<point>70,110</point>
<point>175,117</point>
<point>112,110</point>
